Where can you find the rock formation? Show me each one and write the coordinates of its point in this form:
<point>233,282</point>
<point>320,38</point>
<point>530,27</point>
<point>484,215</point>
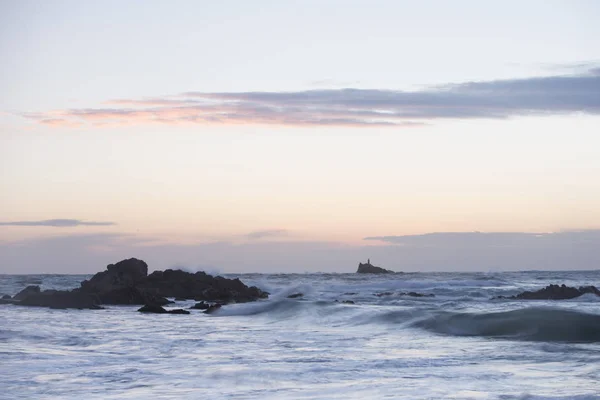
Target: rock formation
<point>128,283</point>
<point>368,268</point>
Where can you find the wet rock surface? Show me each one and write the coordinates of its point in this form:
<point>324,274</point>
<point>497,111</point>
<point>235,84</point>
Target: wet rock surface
<point>368,268</point>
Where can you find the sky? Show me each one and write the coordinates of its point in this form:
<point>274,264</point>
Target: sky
<point>279,136</point>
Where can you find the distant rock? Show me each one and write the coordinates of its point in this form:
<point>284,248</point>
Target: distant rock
<point>295,295</point>
<point>346,302</point>
<point>156,309</point>
<point>554,292</point>
<point>368,268</point>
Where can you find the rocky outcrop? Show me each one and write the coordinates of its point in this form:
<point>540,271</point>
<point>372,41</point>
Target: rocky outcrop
<point>155,309</point>
<point>554,292</point>
<point>212,308</point>
<point>200,286</point>
<point>368,268</point>
<point>124,274</point>
<point>200,306</point>
<point>128,283</point>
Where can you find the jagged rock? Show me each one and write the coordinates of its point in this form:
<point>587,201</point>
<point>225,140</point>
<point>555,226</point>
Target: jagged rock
<point>29,290</point>
<point>554,292</point>
<point>295,295</point>
<point>212,308</point>
<point>200,306</point>
<point>368,268</point>
<point>200,287</point>
<point>124,274</point>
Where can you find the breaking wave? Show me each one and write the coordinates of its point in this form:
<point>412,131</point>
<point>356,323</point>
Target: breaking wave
<point>535,324</point>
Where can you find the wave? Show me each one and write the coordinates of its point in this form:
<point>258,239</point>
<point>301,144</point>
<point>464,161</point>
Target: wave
<point>534,324</point>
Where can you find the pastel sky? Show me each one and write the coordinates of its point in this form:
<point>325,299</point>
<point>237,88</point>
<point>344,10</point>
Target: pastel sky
<point>261,136</point>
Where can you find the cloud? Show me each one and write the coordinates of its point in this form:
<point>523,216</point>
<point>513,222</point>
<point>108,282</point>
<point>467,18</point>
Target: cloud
<point>266,233</point>
<point>57,223</point>
<point>559,94</point>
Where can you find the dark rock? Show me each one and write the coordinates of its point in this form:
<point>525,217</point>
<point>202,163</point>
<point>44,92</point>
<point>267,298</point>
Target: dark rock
<point>415,294</point>
<point>295,295</point>
<point>178,311</point>
<point>347,302</point>
<point>62,299</point>
<point>554,292</point>
<point>180,299</point>
<point>212,308</point>
<point>350,293</point>
<point>200,306</point>
<point>384,294</point>
<point>6,297</point>
<point>152,308</point>
<point>200,287</point>
<point>368,268</point>
<point>124,274</point>
<point>133,296</point>
<point>29,290</point>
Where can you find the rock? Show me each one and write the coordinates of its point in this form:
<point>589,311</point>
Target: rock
<point>152,308</point>
<point>371,269</point>
<point>200,306</point>
<point>6,297</point>
<point>347,302</point>
<point>29,290</point>
<point>295,295</point>
<point>62,299</point>
<point>384,294</point>
<point>554,292</point>
<point>180,299</point>
<point>133,296</point>
<point>415,294</point>
<point>200,287</point>
<point>178,311</point>
<point>212,308</point>
<point>124,274</point>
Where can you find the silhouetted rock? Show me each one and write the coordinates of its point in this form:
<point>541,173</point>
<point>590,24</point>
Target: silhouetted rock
<point>554,292</point>
<point>347,302</point>
<point>212,308</point>
<point>29,290</point>
<point>295,295</point>
<point>368,268</point>
<point>200,287</point>
<point>124,274</point>
<point>6,297</point>
<point>178,311</point>
<point>200,306</point>
<point>132,296</point>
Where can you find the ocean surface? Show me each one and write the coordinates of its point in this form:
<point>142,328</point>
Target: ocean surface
<point>460,344</point>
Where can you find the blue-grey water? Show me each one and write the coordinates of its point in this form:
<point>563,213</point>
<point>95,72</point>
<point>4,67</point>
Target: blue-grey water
<point>459,344</point>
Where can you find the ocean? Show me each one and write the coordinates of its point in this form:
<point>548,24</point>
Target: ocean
<point>459,344</point>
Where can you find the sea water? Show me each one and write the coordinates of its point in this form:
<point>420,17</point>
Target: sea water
<point>460,344</point>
